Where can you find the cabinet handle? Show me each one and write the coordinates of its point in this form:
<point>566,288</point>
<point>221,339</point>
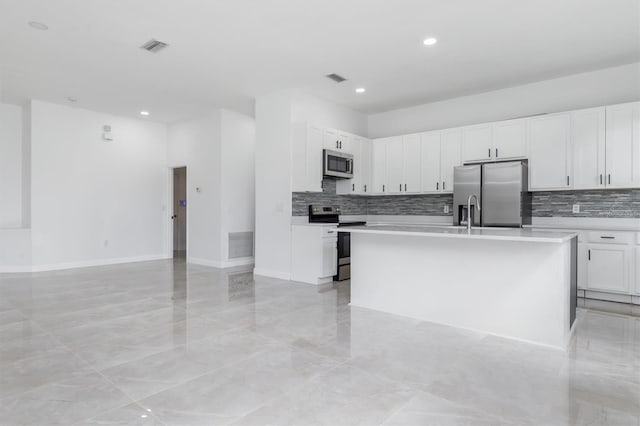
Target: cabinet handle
<point>607,237</point>
<point>600,178</point>
<point>444,186</point>
<point>437,186</point>
<point>365,188</point>
<point>340,144</point>
<point>400,187</point>
<point>609,178</point>
<point>567,180</point>
<point>353,186</point>
<point>405,187</point>
<point>496,152</point>
<point>382,187</point>
<point>337,145</point>
<point>489,152</point>
<point>589,254</point>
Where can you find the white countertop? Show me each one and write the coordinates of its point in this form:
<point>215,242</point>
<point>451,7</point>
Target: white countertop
<point>504,234</point>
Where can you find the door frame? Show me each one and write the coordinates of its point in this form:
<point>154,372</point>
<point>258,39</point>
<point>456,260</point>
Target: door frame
<point>169,211</point>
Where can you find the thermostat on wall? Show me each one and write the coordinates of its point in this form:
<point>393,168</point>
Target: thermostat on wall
<point>106,133</point>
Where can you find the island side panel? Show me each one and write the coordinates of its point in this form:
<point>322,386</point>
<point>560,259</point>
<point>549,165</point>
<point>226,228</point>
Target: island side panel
<point>514,289</point>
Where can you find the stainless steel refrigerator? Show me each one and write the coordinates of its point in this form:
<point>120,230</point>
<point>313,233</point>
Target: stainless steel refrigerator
<point>502,190</point>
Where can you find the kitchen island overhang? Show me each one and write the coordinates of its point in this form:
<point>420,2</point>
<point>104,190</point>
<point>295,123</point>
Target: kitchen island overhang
<point>515,283</point>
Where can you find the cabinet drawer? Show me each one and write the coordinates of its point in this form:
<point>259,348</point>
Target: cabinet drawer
<point>329,232</point>
<point>611,237</point>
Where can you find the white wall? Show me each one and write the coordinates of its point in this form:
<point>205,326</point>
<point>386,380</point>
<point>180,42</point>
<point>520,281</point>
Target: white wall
<point>95,201</point>
<point>218,150</point>
<point>607,86</point>
<point>238,137</point>
<point>196,144</point>
<point>275,113</point>
<point>11,179</point>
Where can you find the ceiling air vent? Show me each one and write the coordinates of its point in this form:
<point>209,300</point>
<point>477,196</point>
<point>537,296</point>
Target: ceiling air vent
<point>154,46</point>
<point>336,77</point>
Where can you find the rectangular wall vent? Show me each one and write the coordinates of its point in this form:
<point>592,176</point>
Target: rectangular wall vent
<point>336,77</point>
<point>154,46</point>
<point>240,245</point>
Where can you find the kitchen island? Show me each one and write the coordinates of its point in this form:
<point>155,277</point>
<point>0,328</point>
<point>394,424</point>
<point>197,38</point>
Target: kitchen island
<point>516,283</point>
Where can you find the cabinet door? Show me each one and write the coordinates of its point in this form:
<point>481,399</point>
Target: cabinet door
<point>350,186</point>
<point>394,165</point>
<point>476,143</point>
<point>379,166</point>
<point>431,162</point>
<point>588,145</point>
<point>548,149</point>
<point>509,139</point>
<point>345,143</point>
<point>331,139</point>
<point>607,267</point>
<point>411,154</point>
<point>306,158</point>
<point>450,149</point>
<point>365,167</point>
<point>637,269</point>
<point>329,257</point>
<point>623,145</point>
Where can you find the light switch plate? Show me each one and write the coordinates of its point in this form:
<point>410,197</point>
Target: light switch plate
<point>576,208</point>
<point>446,209</point>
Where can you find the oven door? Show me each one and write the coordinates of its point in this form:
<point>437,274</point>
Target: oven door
<point>337,164</point>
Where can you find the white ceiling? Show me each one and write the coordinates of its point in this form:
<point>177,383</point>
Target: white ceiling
<point>224,53</point>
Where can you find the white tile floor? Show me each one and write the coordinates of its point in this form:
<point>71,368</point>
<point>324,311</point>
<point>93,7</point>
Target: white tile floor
<point>165,343</point>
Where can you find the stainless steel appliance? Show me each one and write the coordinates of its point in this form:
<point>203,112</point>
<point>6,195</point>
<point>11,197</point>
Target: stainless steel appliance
<point>337,164</point>
<point>331,214</point>
<point>501,189</point>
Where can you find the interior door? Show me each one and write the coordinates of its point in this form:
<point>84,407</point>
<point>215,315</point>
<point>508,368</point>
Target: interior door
<point>179,211</point>
<point>623,145</point>
<point>411,163</point>
<point>588,145</point>
<point>430,154</point>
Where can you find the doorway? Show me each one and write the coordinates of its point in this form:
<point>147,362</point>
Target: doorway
<point>179,216</point>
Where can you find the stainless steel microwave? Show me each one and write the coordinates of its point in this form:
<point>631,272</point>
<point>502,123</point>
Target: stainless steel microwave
<point>337,164</point>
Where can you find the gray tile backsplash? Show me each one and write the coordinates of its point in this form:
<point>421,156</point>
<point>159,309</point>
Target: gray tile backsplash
<point>599,203</point>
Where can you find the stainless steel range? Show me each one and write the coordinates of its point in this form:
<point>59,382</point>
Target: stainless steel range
<point>331,214</point>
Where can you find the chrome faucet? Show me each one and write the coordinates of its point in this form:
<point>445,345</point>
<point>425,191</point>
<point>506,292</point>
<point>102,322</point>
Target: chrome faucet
<point>469,218</point>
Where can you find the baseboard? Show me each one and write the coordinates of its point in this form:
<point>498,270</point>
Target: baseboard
<point>98,262</point>
<point>14,269</point>
<point>220,264</point>
<point>272,274</point>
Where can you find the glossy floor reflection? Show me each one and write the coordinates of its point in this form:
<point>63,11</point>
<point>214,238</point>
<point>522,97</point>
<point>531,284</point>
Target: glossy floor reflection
<point>167,343</point>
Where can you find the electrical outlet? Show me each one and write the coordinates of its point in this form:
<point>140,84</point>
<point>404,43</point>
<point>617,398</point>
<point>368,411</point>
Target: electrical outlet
<point>446,209</point>
<point>576,208</point>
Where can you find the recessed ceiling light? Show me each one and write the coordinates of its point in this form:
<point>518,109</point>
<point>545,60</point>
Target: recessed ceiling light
<point>430,41</point>
<point>360,90</point>
<point>144,112</point>
<point>38,25</point>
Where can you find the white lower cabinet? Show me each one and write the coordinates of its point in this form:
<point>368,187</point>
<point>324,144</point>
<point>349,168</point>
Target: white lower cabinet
<point>608,267</point>
<point>583,259</point>
<point>637,268</point>
<point>314,253</point>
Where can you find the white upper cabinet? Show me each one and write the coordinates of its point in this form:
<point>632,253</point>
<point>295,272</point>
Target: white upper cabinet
<point>411,163</point>
<point>450,152</point>
<point>307,142</point>
<point>379,166</point>
<point>394,165</point>
<point>548,147</point>
<point>477,143</point>
<point>431,162</point>
<point>588,144</point>
<point>330,139</point>
<point>509,139</point>
<point>346,143</point>
<point>623,145</point>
